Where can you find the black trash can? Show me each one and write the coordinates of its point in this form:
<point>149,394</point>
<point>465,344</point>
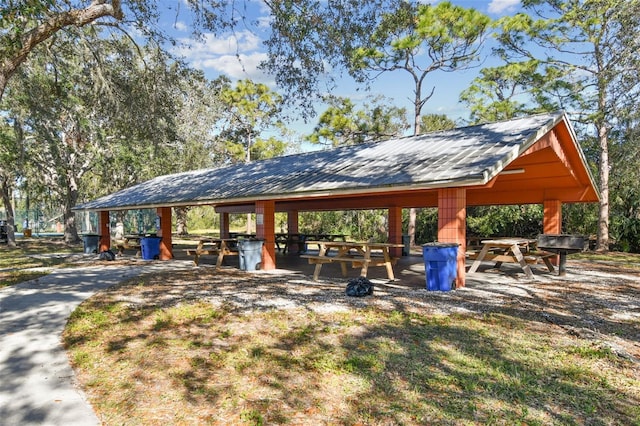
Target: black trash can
<point>91,242</point>
<point>441,265</point>
<point>150,247</point>
<point>250,254</point>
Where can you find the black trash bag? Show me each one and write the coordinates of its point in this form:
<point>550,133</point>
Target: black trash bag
<point>107,255</point>
<point>359,287</point>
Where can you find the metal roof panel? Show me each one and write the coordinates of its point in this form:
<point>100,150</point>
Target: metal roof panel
<point>472,154</point>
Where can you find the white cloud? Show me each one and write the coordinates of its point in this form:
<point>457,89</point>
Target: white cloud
<point>244,41</point>
<point>499,6</point>
<point>236,67</point>
<point>235,55</point>
<point>180,26</point>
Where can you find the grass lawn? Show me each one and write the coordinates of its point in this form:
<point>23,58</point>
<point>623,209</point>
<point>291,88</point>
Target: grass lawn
<point>18,264</point>
<point>200,347</point>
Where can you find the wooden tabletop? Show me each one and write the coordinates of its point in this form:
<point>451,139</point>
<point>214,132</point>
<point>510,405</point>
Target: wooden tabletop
<point>354,244</point>
<point>508,242</point>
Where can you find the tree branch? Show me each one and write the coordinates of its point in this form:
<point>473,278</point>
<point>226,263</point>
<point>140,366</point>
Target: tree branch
<point>51,25</point>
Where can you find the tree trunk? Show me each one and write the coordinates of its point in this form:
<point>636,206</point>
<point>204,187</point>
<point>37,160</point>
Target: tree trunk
<point>603,218</point>
<point>70,228</point>
<point>412,226</point>
<point>249,224</point>
<point>11,221</point>
<point>181,220</point>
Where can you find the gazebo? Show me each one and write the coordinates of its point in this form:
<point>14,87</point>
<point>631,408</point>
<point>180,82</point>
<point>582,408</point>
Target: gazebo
<point>530,160</point>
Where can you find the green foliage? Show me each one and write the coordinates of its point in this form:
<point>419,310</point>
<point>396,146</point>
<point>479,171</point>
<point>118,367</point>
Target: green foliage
<point>359,225</point>
<point>436,122</point>
<point>625,199</point>
<point>421,39</point>
<point>580,219</point>
<point>503,221</point>
<point>586,53</point>
<point>501,93</point>
<point>203,217</point>
<point>251,108</point>
<point>426,224</point>
<point>343,124</point>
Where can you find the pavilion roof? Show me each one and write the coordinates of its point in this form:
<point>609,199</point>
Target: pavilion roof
<point>472,156</point>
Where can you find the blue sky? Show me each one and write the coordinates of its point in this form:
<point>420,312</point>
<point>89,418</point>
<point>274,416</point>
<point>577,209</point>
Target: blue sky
<point>217,55</point>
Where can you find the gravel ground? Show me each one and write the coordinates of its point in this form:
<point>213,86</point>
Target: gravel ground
<point>596,300</point>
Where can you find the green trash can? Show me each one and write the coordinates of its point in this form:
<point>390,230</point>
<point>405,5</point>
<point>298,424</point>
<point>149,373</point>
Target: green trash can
<point>250,254</point>
<point>91,242</point>
<point>441,265</point>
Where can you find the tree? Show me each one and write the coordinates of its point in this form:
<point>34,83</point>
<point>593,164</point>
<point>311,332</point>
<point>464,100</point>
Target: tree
<point>504,92</point>
<point>436,122</point>
<point>625,191</point>
<point>587,53</point>
<point>10,164</point>
<point>343,124</point>
<point>25,25</point>
<point>420,40</point>
<point>251,109</point>
<point>99,123</point>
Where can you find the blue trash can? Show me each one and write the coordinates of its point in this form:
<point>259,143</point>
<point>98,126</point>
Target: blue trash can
<point>441,265</point>
<point>91,242</point>
<point>150,247</point>
<point>250,254</point>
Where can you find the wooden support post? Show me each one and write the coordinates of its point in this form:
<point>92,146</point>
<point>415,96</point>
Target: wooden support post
<point>166,246</point>
<point>292,221</point>
<point>104,231</point>
<point>266,230</point>
<point>395,230</point>
<point>292,228</point>
<point>552,222</point>
<point>224,225</point>
<point>452,224</point>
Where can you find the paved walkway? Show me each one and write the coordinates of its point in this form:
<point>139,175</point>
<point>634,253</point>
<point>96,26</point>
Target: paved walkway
<point>36,380</point>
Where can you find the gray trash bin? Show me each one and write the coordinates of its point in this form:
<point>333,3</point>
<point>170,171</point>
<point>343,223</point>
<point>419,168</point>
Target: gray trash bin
<point>406,245</point>
<point>91,242</point>
<point>250,254</point>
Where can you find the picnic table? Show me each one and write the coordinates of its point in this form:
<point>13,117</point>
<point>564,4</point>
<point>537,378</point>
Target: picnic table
<point>359,254</point>
<point>220,247</point>
<point>286,240</point>
<point>322,237</point>
<point>510,250</point>
<point>127,242</point>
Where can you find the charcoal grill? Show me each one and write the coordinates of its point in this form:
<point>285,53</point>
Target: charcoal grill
<point>562,244</point>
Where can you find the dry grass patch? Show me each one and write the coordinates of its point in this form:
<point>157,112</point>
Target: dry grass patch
<point>207,347</point>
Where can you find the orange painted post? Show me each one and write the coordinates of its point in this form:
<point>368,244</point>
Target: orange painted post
<point>395,230</point>
<point>166,247</point>
<point>452,224</point>
<point>105,231</point>
<point>266,230</point>
<point>292,222</point>
<point>552,222</point>
<point>224,225</point>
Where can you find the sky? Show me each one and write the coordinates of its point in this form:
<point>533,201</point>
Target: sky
<point>218,55</point>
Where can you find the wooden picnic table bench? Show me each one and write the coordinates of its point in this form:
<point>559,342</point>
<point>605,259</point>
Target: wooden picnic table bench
<point>359,254</point>
<point>214,247</point>
<point>128,242</point>
<point>510,250</point>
